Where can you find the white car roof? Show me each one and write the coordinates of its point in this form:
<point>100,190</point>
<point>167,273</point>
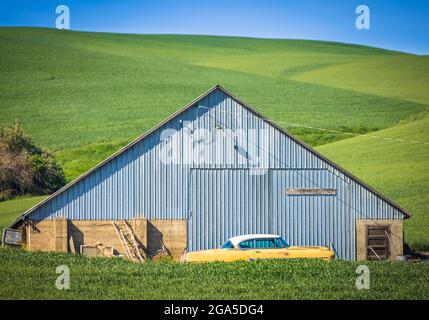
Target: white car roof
<point>236,240</point>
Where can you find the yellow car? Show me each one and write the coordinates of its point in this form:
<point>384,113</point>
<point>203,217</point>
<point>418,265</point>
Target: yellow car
<point>257,246</point>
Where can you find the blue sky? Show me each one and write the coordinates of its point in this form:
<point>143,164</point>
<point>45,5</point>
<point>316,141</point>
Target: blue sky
<point>394,24</point>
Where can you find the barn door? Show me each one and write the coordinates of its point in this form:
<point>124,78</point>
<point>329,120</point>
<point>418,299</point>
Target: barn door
<point>226,203</point>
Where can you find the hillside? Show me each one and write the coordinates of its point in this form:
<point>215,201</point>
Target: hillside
<point>84,95</point>
<point>62,85</point>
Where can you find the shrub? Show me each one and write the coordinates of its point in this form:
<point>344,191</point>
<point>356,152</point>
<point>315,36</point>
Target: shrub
<point>24,166</point>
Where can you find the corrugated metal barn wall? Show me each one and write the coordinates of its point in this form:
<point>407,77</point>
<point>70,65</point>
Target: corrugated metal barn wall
<point>227,171</point>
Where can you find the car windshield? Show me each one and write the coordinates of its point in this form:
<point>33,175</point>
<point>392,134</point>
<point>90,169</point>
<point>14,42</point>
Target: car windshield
<point>281,243</point>
<point>227,245</point>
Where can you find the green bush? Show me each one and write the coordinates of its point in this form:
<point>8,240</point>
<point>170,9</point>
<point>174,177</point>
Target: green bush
<point>24,166</point>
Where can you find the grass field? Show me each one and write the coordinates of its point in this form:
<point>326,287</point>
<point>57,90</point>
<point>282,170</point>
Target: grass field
<point>84,95</point>
<point>29,275</point>
<point>74,89</point>
<point>378,75</point>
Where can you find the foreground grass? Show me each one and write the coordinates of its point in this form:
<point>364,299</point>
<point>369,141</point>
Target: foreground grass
<point>29,275</point>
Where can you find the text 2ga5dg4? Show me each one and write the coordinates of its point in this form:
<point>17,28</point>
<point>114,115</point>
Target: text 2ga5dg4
<point>233,309</point>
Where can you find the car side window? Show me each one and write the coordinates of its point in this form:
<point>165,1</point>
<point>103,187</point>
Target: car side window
<point>248,244</point>
<point>265,243</point>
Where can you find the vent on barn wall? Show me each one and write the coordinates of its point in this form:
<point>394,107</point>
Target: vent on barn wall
<point>377,244</point>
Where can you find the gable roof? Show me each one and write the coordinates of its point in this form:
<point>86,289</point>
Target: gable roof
<point>21,217</point>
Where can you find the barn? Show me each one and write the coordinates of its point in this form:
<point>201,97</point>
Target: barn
<point>214,169</point>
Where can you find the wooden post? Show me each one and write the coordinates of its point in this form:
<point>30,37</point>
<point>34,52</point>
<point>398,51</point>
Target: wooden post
<point>28,235</point>
<point>139,226</point>
<point>61,234</point>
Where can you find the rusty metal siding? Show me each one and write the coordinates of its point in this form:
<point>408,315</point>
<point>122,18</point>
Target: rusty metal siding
<point>217,191</point>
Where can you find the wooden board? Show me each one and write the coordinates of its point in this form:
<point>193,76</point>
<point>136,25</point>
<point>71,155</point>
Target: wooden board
<point>311,192</point>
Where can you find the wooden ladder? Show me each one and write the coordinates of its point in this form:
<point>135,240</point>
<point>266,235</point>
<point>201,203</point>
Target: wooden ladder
<point>135,245</point>
<point>128,241</point>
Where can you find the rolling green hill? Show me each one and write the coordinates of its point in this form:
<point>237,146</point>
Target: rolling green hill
<point>84,95</point>
<point>403,77</point>
<point>73,89</point>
